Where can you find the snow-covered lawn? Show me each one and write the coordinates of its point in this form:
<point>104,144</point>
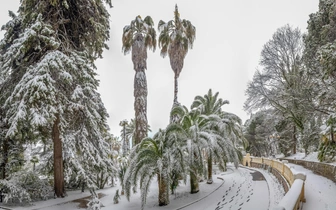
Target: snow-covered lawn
<point>233,189</point>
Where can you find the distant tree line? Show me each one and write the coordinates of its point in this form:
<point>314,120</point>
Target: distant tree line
<point>292,94</point>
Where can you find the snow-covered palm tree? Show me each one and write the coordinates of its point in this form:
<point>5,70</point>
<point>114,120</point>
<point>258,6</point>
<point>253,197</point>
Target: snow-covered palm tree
<point>154,157</point>
<point>211,106</point>
<point>196,135</point>
<point>224,129</point>
<point>138,37</point>
<point>176,38</point>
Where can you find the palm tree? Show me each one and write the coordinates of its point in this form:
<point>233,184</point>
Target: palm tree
<point>196,135</point>
<point>176,38</point>
<point>154,157</point>
<point>209,105</point>
<point>225,129</point>
<point>137,37</point>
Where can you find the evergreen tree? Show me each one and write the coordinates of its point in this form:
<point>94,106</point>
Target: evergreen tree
<point>48,58</point>
<point>319,57</point>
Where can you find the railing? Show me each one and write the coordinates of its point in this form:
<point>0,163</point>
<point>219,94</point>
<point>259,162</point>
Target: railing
<point>292,181</point>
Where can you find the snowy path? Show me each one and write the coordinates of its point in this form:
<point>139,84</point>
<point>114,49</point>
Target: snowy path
<point>241,190</point>
<point>319,191</point>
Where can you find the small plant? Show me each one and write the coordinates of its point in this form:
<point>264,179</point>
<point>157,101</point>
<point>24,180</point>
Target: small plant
<point>116,197</point>
<point>94,203</point>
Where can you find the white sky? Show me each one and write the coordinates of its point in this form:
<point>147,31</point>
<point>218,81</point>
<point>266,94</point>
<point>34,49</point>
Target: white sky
<point>229,38</point>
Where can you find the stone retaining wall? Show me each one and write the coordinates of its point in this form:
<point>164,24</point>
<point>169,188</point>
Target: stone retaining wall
<point>323,169</point>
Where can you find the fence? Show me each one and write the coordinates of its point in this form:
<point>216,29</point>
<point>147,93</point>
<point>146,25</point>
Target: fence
<point>292,181</point>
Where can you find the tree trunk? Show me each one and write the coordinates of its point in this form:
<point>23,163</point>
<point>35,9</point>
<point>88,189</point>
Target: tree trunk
<point>140,106</point>
<point>294,139</point>
<point>163,190</point>
<point>175,88</point>
<point>5,159</point>
<point>175,118</point>
<point>209,181</point>
<point>58,160</point>
<point>139,57</point>
<point>194,188</point>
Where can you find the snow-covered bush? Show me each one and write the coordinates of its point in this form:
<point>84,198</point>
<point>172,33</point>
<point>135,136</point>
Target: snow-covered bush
<point>37,188</point>
<point>94,203</point>
<point>116,197</point>
<point>25,186</point>
<point>13,191</point>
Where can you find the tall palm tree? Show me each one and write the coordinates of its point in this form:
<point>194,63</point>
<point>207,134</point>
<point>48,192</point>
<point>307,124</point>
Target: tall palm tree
<point>176,38</point>
<point>138,37</point>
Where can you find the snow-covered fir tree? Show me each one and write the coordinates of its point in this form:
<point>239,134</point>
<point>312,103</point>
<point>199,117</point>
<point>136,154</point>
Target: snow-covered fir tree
<point>319,56</point>
<point>48,55</point>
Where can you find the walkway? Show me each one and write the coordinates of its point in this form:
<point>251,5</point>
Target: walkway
<point>319,191</point>
<point>241,190</point>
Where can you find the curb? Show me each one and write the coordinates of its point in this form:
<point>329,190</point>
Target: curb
<point>204,196</point>
<point>195,201</point>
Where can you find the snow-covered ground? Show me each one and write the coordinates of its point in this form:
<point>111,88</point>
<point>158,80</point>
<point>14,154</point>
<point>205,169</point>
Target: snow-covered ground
<point>302,156</point>
<point>234,189</point>
<point>319,191</point>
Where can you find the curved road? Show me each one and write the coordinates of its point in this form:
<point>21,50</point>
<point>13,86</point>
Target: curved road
<point>244,189</point>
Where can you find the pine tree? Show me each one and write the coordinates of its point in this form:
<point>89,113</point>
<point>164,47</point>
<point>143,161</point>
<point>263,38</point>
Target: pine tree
<point>48,58</point>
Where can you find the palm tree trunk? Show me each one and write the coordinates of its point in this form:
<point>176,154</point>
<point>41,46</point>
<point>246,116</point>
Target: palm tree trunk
<point>194,187</point>
<point>175,88</point>
<point>58,160</point>
<point>140,105</point>
<point>175,118</point>
<point>163,190</point>
<point>139,57</point>
<point>209,181</point>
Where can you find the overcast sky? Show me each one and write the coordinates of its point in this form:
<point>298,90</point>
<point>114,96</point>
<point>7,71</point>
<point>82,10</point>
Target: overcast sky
<point>229,37</point>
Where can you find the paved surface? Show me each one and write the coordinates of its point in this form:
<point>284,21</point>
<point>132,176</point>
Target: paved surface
<point>237,193</point>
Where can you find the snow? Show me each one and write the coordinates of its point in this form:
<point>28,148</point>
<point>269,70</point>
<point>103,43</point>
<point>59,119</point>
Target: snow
<point>231,189</point>
<point>244,193</point>
<point>291,197</point>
